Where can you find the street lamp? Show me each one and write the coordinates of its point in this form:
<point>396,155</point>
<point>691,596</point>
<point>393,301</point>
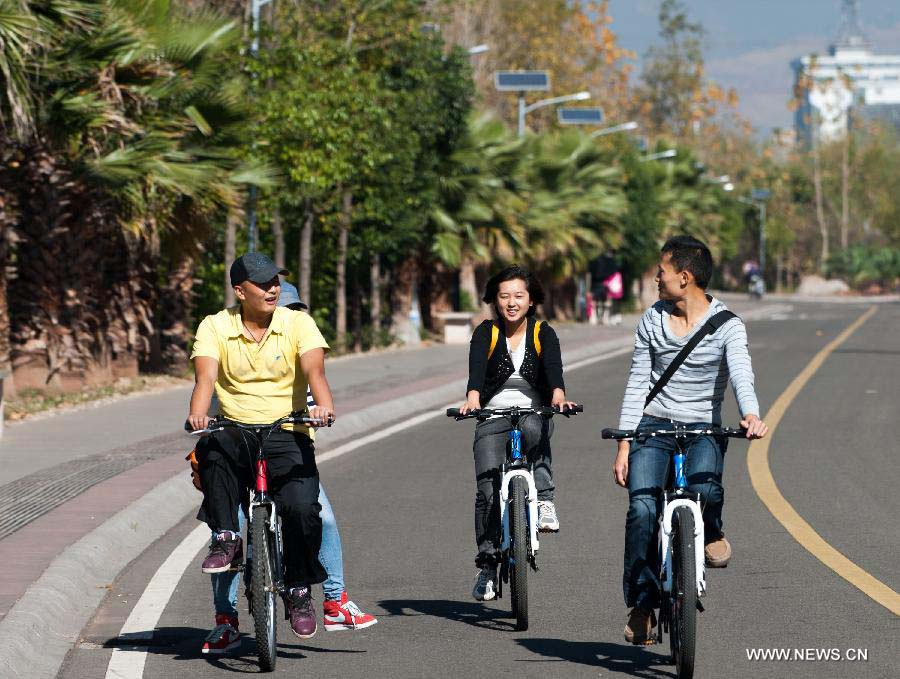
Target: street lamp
<point>624,127</point>
<point>255,6</point>
<point>531,81</point>
<point>759,198</point>
<point>523,109</point>
<point>724,180</point>
<point>660,155</point>
<point>580,116</point>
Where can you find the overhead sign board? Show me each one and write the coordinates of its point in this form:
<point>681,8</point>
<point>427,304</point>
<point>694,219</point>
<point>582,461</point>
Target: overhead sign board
<point>580,116</point>
<point>522,81</point>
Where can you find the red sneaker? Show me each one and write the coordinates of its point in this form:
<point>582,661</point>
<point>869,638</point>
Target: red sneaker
<point>344,614</point>
<point>224,637</point>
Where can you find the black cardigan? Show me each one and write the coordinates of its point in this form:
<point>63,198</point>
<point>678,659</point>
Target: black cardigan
<point>543,372</point>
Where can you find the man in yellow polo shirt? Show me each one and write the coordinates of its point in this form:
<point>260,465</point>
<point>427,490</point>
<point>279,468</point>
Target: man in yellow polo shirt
<point>259,358</point>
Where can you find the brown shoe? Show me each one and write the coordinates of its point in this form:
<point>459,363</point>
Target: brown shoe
<point>718,553</point>
<point>639,629</point>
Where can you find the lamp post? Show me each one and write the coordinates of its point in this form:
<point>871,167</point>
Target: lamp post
<point>724,180</point>
<point>660,155</point>
<point>255,6</point>
<point>758,198</point>
<point>624,127</point>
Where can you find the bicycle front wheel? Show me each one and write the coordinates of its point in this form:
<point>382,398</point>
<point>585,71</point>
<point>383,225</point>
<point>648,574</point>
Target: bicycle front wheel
<point>262,588</point>
<point>683,625</point>
<point>518,567</point>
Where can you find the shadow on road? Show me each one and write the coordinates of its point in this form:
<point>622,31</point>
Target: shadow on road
<point>471,613</point>
<point>635,661</point>
<point>184,643</point>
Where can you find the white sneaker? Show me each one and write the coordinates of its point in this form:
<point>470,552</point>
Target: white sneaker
<point>547,519</point>
<point>485,584</point>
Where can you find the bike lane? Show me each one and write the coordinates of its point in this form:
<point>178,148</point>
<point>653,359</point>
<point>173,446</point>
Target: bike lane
<point>407,548</point>
<point>71,494</point>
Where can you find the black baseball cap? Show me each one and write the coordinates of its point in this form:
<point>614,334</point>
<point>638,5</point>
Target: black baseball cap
<point>254,267</point>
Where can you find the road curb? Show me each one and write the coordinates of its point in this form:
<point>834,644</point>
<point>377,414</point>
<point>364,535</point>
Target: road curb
<point>55,608</point>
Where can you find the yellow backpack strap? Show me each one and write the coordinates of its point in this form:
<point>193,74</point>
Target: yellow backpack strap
<point>537,339</point>
<point>495,335</point>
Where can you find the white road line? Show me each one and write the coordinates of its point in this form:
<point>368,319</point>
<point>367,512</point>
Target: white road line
<point>127,662</point>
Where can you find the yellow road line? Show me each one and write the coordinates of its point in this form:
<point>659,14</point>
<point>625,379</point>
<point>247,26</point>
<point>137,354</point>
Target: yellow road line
<point>767,490</point>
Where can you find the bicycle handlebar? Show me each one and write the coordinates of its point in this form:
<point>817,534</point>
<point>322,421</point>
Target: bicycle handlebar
<point>217,424</point>
<point>484,413</point>
<point>634,435</point>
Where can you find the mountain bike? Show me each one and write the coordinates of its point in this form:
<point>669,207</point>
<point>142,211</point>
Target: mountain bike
<point>518,506</point>
<point>681,542</point>
<point>264,567</point>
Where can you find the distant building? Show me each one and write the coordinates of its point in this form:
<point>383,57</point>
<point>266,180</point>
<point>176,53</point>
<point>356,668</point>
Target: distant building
<point>852,81</point>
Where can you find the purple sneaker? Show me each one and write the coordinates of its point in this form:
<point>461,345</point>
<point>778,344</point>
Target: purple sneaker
<point>224,551</point>
<point>301,613</point>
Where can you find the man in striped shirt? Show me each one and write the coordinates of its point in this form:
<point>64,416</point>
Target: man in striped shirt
<point>693,396</point>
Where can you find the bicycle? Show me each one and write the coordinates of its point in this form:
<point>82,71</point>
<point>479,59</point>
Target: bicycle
<point>518,507</point>
<point>264,567</point>
<point>681,543</point>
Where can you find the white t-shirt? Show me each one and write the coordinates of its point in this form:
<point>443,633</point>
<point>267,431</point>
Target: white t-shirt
<point>516,391</point>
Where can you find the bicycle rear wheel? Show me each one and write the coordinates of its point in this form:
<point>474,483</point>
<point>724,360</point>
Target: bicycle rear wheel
<point>518,567</point>
<point>262,587</point>
<point>683,621</point>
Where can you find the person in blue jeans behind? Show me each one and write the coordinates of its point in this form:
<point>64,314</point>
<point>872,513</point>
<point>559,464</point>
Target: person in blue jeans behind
<point>692,397</point>
<point>340,613</point>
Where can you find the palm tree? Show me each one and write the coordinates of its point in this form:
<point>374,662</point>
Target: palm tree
<point>476,220</point>
<point>136,143</point>
<point>575,205</point>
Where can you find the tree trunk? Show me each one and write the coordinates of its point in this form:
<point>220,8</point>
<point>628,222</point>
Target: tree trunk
<point>231,225</point>
<point>403,321</point>
<point>356,313</point>
<point>278,237</point>
<point>305,263</point>
<point>845,190</point>
<point>375,301</point>
<point>4,303</point>
<point>340,323</point>
<point>820,210</point>
<point>176,313</point>
<point>779,271</point>
<point>425,292</point>
<point>468,287</point>
<point>79,315</point>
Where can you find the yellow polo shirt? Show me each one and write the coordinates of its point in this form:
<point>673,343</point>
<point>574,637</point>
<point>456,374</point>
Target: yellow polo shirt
<point>259,383</point>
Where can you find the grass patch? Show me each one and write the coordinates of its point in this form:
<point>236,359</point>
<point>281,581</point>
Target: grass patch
<point>32,401</point>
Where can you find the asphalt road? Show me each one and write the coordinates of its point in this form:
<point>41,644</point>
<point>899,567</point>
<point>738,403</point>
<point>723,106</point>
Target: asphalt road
<point>404,507</point>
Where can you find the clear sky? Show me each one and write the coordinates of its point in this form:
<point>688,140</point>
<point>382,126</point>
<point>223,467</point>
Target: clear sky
<point>750,44</point>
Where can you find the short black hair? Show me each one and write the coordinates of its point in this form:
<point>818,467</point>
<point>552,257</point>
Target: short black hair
<point>690,254</point>
<point>532,284</point>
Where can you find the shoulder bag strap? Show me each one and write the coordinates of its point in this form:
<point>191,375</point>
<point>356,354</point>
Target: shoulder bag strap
<point>708,328</point>
<point>495,334</point>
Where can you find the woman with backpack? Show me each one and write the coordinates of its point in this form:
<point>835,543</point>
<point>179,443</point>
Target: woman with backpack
<point>514,360</point>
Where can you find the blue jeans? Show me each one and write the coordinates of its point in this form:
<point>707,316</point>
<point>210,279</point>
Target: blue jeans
<point>649,466</point>
<point>225,585</point>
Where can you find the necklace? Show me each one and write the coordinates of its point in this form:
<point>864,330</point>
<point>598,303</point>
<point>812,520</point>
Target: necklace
<point>252,335</point>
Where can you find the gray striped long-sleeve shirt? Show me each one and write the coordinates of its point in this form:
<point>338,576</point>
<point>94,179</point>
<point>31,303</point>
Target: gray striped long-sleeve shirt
<point>696,390</point>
